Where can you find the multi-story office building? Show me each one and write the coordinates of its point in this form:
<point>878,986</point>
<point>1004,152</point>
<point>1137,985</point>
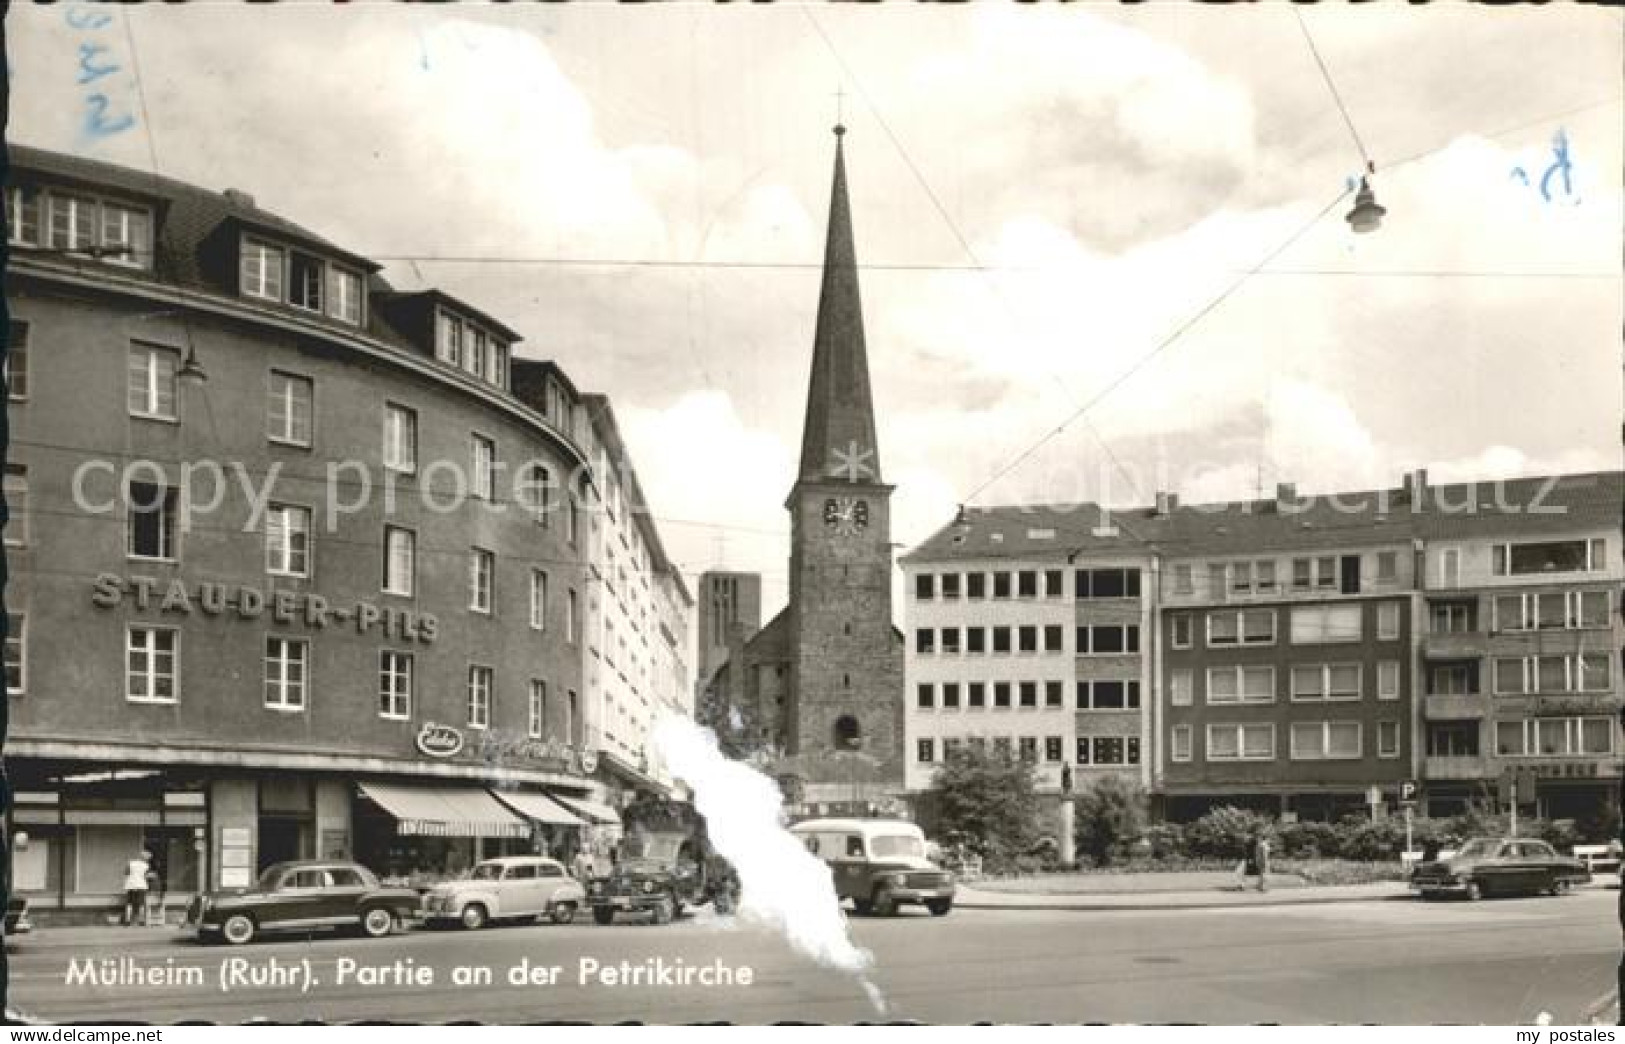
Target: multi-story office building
<point>1300,655</point>
<point>293,565</point>
<point>637,620</point>
<point>1028,632</point>
<point>1520,635</point>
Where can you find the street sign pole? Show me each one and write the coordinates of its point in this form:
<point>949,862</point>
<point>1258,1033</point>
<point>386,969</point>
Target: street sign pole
<point>1408,828</point>
<point>1514,789</point>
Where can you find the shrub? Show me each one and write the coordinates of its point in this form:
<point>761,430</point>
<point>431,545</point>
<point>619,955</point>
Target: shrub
<point>1167,841</point>
<point>1108,817</point>
<point>1308,840</point>
<point>1224,832</point>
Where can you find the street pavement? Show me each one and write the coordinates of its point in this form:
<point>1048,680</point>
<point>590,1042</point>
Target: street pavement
<point>1360,960</point>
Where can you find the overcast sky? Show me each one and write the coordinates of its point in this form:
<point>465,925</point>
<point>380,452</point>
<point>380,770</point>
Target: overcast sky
<point>1040,198</point>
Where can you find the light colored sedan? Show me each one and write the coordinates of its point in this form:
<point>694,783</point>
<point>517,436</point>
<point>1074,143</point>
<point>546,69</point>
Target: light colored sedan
<point>510,888</point>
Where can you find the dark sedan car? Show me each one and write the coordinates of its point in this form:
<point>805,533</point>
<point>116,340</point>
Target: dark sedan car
<point>1500,866</point>
<point>307,895</point>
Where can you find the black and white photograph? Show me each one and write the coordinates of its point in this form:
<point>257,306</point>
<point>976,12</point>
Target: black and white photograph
<point>816,513</point>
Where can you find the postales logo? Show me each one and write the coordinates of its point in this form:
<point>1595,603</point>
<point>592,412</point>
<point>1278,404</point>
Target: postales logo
<point>439,741</point>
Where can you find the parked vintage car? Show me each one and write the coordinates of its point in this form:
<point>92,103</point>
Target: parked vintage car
<point>1500,866</point>
<point>301,896</point>
<point>660,873</point>
<point>879,864</point>
<point>506,889</point>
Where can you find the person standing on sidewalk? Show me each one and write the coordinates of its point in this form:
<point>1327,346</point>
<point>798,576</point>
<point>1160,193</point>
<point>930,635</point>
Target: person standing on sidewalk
<point>1256,862</point>
<point>135,888</point>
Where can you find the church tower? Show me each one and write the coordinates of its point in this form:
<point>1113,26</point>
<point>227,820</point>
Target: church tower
<point>844,708</point>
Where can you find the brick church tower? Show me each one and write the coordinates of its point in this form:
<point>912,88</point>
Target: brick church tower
<point>844,713</point>
<point>816,696</point>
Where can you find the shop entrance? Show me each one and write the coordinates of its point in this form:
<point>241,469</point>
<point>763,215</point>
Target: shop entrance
<point>287,821</point>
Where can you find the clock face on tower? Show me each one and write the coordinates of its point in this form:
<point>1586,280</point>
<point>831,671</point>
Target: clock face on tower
<point>847,516</point>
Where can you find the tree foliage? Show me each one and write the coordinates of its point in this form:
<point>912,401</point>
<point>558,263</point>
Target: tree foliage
<point>988,800</point>
<point>1109,815</point>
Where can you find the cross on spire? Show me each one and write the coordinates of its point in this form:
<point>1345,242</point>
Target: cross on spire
<point>840,109</point>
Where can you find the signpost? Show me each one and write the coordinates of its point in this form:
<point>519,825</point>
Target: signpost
<point>1407,801</point>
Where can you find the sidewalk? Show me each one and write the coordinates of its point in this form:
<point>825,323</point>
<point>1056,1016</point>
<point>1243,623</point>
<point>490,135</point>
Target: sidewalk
<point>972,898</point>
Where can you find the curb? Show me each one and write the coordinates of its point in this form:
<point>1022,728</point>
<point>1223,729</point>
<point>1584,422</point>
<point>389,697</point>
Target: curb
<point>1203,904</point>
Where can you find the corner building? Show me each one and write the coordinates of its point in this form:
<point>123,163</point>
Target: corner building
<point>327,600</point>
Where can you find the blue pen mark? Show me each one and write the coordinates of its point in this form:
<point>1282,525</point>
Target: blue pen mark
<point>89,71</point>
<point>78,17</point>
<point>423,52</point>
<point>97,123</point>
<point>1518,172</point>
<point>1560,148</point>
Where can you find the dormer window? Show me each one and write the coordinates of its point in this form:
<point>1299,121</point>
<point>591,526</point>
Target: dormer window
<point>108,230</point>
<point>471,348</point>
<point>272,272</point>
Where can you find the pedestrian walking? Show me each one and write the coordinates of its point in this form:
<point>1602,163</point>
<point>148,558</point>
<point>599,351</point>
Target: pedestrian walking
<point>1258,860</point>
<point>584,865</point>
<point>135,888</point>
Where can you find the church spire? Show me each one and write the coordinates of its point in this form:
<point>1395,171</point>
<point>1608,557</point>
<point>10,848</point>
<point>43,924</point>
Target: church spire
<point>838,438</point>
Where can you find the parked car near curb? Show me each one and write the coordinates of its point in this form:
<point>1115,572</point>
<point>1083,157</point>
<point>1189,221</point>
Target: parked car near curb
<point>879,864</point>
<point>1500,866</point>
<point>506,889</point>
<point>301,896</point>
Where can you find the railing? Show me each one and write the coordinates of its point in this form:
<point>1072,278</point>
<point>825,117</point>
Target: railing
<point>1467,766</point>
<point>1454,705</point>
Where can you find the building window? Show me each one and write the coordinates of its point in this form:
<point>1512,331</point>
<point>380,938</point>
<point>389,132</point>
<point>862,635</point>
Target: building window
<point>536,716</point>
<point>1387,621</point>
<point>1108,639</point>
<point>538,600</point>
<point>571,714</point>
<point>152,381</point>
<point>1326,624</point>
<point>400,439</point>
<point>305,281</point>
<point>1325,741</point>
<point>1180,630</point>
<point>926,696</point>
<point>1001,585</point>
<point>1027,584</point>
<point>262,270</point>
<point>400,560</point>
<point>1106,583</point>
<point>22,216</point>
<point>950,639</point>
<point>448,345</point>
<point>950,585</point>
<point>1054,584</point>
<point>536,493</point>
<point>1001,639</point>
<point>1181,743</point>
<point>1450,618</point>
<point>1387,739</point>
<point>1111,750</point>
<point>1452,739</point>
<point>1551,610</point>
<point>1241,627</point>
<point>570,616</point>
<point>286,663</point>
<point>1240,685</point>
<point>1585,672</point>
<point>1027,639</point>
<point>926,750</point>
<point>950,696</point>
<point>484,474</point>
<point>976,694</point>
<point>1029,693</point>
<point>925,587</point>
<point>1388,680</point>
<point>150,665</point>
<point>1053,751</point>
<point>925,640</point>
<point>479,697</point>
<point>1001,695</point>
<point>1180,687</point>
<point>1550,556</point>
<point>1054,638</point>
<point>1028,746</point>
<point>975,585</point>
<point>394,685</point>
<point>481,575</point>
<point>1054,694</point>
<point>16,493</point>
<point>1241,742</point>
<point>114,232</point>
<point>287,540</point>
<point>1319,683</point>
<point>1555,737</point>
<point>16,361</point>
<point>1184,580</point>
<point>975,640</point>
<point>1387,567</point>
<point>289,408</point>
<point>16,654</point>
<point>152,521</point>
<point>344,295</point>
<point>1112,695</point>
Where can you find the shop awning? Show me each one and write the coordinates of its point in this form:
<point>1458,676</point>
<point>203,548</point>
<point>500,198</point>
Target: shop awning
<point>533,804</point>
<point>590,810</point>
<point>445,811</point>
